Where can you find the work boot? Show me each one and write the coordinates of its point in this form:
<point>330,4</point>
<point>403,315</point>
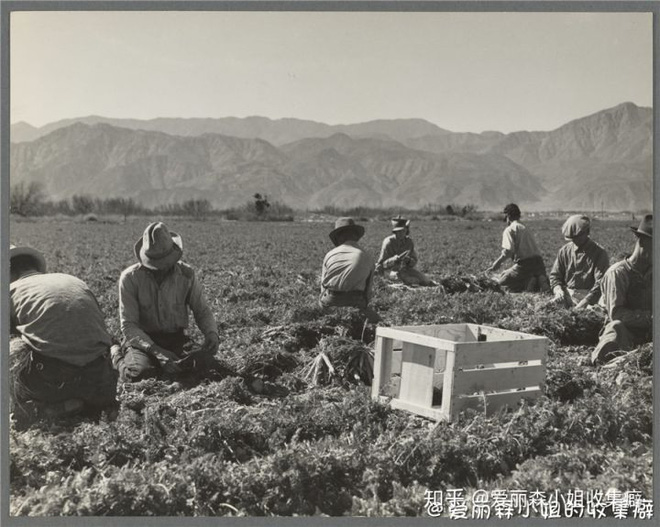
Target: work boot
<point>605,351</point>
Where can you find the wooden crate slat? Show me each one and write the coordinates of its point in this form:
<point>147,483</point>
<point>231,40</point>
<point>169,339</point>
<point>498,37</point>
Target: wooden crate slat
<point>473,353</point>
<point>497,334</point>
<point>493,401</point>
<point>436,330</point>
<point>417,366</point>
<point>432,412</point>
<point>415,338</point>
<point>382,365</point>
<point>497,379</point>
<point>396,361</point>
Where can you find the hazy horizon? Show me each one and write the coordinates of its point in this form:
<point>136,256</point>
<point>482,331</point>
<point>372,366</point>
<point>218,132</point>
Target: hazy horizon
<point>299,119</point>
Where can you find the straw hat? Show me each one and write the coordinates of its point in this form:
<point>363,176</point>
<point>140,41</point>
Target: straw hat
<point>38,258</point>
<point>645,227</point>
<point>158,248</point>
<point>346,225</point>
<point>399,223</point>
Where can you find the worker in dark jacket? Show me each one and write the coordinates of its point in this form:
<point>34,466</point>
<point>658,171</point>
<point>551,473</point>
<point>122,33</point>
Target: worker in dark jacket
<point>580,264</point>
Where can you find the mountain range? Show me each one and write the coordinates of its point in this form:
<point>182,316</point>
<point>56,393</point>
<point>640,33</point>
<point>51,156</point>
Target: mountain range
<point>600,161</point>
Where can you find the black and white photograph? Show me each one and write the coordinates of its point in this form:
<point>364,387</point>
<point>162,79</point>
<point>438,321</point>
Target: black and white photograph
<point>327,261</point>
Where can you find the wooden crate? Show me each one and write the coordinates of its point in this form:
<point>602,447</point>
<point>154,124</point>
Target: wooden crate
<point>475,367</point>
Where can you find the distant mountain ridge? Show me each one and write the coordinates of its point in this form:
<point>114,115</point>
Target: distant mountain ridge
<point>599,161</point>
<point>275,131</point>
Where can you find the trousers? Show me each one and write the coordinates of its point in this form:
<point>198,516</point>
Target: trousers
<point>35,377</point>
<point>615,337</point>
<point>525,275</point>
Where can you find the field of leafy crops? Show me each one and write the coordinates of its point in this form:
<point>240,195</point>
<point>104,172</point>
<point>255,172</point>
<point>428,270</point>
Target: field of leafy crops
<point>211,447</point>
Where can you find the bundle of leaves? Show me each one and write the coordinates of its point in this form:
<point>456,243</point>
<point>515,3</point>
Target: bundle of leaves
<point>340,359</point>
<point>267,362</point>
<point>470,283</point>
<point>564,326</point>
<point>569,373</point>
<point>295,337</point>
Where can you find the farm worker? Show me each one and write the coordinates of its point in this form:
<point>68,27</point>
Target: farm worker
<point>154,296</point>
<point>59,350</point>
<point>528,270</point>
<point>579,266</point>
<point>347,272</point>
<point>627,296</point>
<point>398,255</point>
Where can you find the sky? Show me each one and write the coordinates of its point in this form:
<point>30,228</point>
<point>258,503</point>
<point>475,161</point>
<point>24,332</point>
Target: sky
<point>465,72</point>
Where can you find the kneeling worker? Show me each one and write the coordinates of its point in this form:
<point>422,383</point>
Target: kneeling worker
<point>579,266</point>
<point>347,272</point>
<point>60,348</point>
<point>154,297</point>
<point>398,255</point>
<point>528,270</point>
<point>627,289</point>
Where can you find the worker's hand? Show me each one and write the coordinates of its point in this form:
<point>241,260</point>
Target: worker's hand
<point>562,296</point>
<point>582,304</point>
<point>211,343</point>
<point>166,358</point>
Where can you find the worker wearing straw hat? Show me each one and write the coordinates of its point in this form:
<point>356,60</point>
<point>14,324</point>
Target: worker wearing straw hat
<point>155,295</point>
<point>59,352</point>
<point>627,296</point>
<point>579,266</point>
<point>398,255</point>
<point>347,271</point>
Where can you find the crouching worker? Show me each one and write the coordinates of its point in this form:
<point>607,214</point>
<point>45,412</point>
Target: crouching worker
<point>154,297</point>
<point>398,255</point>
<point>627,295</point>
<point>347,273</point>
<point>60,348</point>
<point>579,266</point>
<point>528,270</point>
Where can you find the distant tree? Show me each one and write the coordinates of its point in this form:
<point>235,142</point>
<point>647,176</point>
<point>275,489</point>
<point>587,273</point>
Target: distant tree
<point>197,208</point>
<point>82,204</point>
<point>260,204</point>
<point>26,199</point>
<point>468,209</point>
<point>450,210</point>
<point>127,206</point>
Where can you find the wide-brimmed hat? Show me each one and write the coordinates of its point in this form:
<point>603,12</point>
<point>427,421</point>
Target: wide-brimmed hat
<point>158,248</point>
<point>576,225</point>
<point>24,250</point>
<point>346,225</point>
<point>399,223</point>
<point>645,227</point>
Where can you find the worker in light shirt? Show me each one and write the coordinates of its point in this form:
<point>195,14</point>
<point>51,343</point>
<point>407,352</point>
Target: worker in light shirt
<point>528,270</point>
<point>347,271</point>
<point>155,296</point>
<point>60,347</point>
<point>627,297</point>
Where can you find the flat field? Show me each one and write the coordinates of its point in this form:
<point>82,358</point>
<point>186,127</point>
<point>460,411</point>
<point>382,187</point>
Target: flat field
<point>221,447</point>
